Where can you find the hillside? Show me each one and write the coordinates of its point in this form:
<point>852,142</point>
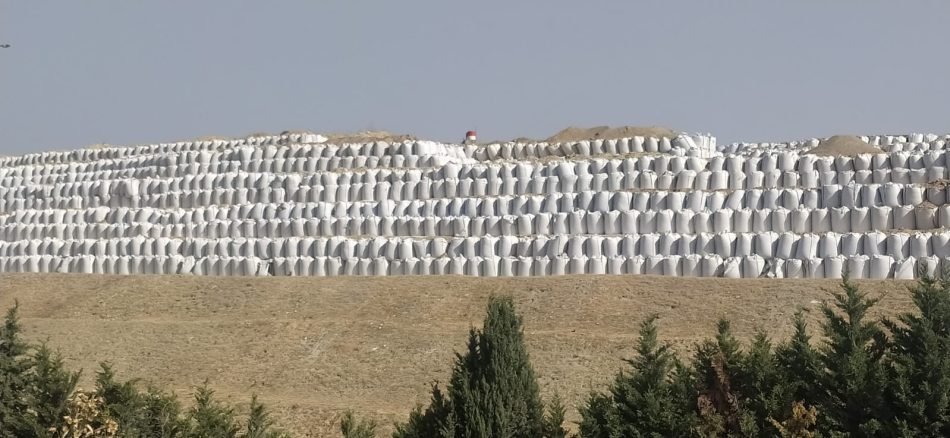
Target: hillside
<point>314,347</point>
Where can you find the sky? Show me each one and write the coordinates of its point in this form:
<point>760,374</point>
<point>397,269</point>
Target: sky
<point>137,72</point>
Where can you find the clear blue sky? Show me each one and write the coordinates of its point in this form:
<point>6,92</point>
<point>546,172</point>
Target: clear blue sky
<point>127,72</point>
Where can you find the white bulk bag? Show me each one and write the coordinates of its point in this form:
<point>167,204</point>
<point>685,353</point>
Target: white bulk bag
<point>834,266</point>
<point>881,218</point>
<point>905,218</point>
<point>929,266</point>
<point>858,267</point>
<point>850,244</point>
<point>731,268</point>
<point>919,245</point>
<point>881,267</point>
<point>905,269</point>
<point>542,266</point>
<point>653,265</point>
<point>558,265</point>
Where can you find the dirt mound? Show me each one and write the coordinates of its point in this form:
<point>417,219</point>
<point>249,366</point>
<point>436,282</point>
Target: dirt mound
<point>605,132</point>
<point>941,183</point>
<point>312,348</point>
<point>368,137</point>
<point>843,146</point>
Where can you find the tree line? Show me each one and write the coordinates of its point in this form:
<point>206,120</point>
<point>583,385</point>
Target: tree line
<point>860,377</point>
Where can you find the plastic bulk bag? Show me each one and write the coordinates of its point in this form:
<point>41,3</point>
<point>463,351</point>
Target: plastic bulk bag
<point>559,265</point>
<point>860,219</point>
<point>785,245</point>
<point>851,244</point>
<point>840,219</point>
<point>725,244</point>
<point>858,267</point>
<point>761,221</point>
<point>919,245</point>
<point>705,243</point>
<point>753,266</point>
<point>742,220</point>
<point>905,218</point>
<point>764,244</point>
<point>653,265</point>
<point>874,244</point>
<point>730,268</point>
<point>596,265</point>
<point>881,218</point>
<point>925,217</point>
<point>881,267</point>
<point>929,266</point>
<point>834,266</point>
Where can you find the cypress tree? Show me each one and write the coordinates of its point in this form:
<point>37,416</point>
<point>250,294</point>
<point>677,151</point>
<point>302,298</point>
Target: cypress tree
<point>852,386</point>
<point>919,383</point>
<point>15,382</point>
<point>493,388</point>
<point>492,392</point>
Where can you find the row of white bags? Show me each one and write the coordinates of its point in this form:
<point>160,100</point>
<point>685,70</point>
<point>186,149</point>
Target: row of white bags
<point>770,244</point>
<point>876,267</point>
<point>839,220</point>
<point>22,198</point>
<point>452,166</point>
<point>605,201</point>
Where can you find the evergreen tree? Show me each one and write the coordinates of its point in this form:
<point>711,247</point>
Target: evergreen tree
<point>210,418</point>
<point>139,414</point>
<point>350,427</point>
<point>492,392</point>
<point>493,388</point>
<point>554,420</point>
<point>643,401</point>
<point>721,410</point>
<point>759,382</point>
<point>852,386</point>
<point>260,424</point>
<point>52,387</point>
<point>438,420</point>
<point>798,362</point>
<point>16,419</point>
<point>919,369</point>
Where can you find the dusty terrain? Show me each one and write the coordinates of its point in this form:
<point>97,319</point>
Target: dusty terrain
<point>313,347</point>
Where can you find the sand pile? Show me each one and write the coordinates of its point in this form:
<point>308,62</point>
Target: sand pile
<point>368,137</point>
<point>843,145</point>
<point>605,132</point>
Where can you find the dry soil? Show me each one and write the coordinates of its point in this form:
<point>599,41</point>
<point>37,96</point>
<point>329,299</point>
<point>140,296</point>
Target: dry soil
<point>313,347</point>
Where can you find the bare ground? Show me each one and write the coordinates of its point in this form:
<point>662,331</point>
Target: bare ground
<point>313,347</point>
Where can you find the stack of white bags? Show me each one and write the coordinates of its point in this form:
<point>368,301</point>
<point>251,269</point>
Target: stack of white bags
<point>294,205</point>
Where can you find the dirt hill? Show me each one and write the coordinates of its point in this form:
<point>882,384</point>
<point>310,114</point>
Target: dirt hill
<point>314,347</point>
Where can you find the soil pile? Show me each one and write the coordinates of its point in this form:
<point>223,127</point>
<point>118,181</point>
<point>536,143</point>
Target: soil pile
<point>843,146</point>
<point>605,132</point>
<point>368,137</point>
